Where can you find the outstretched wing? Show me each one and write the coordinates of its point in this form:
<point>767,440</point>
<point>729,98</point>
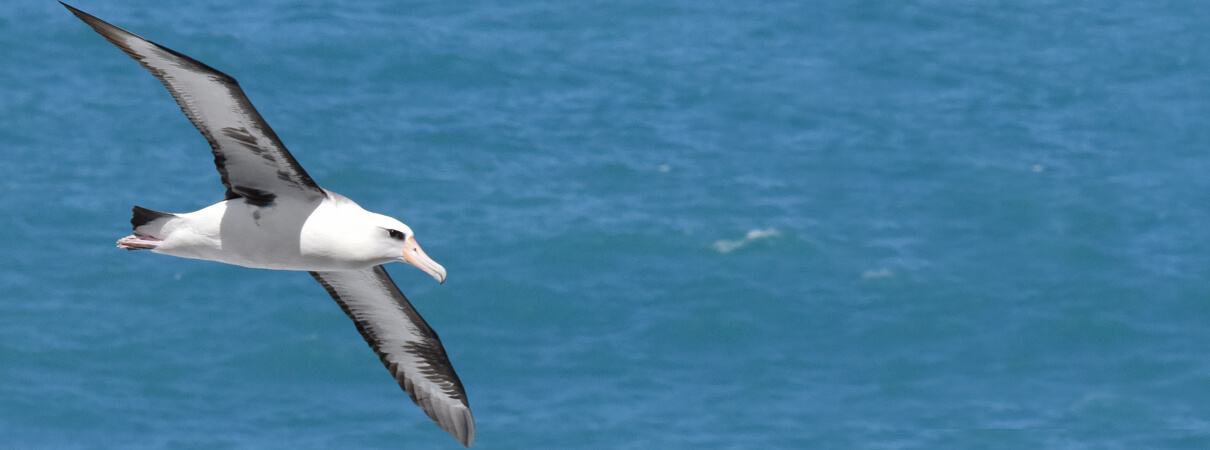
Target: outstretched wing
<point>407,346</point>
<point>252,161</point>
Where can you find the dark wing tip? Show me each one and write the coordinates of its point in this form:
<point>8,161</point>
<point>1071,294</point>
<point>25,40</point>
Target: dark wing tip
<point>86,17</point>
<point>115,35</point>
<point>81,14</point>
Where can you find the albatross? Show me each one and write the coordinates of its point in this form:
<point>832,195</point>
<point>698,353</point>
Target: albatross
<point>274,216</point>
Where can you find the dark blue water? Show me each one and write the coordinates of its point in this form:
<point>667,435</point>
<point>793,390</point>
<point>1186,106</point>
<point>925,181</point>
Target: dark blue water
<point>683,224</point>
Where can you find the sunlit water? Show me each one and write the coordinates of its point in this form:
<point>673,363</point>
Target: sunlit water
<point>677,224</point>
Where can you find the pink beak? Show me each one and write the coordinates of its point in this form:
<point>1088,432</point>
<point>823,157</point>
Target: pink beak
<point>416,257</point>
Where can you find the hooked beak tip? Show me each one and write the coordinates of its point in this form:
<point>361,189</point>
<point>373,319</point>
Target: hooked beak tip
<point>416,257</point>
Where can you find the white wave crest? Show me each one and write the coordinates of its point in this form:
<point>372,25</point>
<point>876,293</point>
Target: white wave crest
<point>730,245</point>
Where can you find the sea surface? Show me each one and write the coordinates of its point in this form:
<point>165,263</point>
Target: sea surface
<point>667,224</point>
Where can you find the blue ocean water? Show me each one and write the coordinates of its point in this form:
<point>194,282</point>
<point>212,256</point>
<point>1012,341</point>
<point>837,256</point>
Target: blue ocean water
<point>678,224</point>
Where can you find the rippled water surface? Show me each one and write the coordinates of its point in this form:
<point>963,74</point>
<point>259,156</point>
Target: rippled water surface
<point>680,224</point>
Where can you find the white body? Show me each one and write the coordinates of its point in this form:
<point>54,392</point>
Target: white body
<point>337,234</point>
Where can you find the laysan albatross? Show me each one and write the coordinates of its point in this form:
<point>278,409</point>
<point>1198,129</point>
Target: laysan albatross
<point>274,216</point>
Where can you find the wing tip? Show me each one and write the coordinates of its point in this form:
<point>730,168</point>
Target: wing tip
<point>455,419</point>
<point>463,427</point>
<point>80,14</point>
<point>86,17</point>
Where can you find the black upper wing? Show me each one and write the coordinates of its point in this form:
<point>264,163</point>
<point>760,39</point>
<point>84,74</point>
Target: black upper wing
<point>253,162</point>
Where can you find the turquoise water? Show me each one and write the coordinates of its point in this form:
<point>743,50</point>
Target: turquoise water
<point>682,224</point>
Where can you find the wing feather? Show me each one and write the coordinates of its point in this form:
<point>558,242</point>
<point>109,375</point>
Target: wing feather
<point>405,343</point>
<point>248,154</point>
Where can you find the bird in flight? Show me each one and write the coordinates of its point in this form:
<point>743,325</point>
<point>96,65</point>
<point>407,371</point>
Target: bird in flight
<point>274,216</point>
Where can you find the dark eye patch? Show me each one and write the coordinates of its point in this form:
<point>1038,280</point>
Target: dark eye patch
<point>395,234</point>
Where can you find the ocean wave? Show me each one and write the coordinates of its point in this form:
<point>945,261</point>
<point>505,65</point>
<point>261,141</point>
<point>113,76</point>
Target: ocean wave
<point>730,245</point>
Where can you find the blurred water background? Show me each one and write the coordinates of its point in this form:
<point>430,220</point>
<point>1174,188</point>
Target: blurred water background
<point>670,224</point>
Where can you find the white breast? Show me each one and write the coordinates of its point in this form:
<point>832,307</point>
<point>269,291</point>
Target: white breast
<point>287,235</point>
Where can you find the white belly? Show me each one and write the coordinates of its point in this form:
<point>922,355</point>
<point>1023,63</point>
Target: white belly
<point>282,236</point>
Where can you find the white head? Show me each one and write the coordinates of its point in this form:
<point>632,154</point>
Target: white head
<point>396,242</point>
<point>344,231</point>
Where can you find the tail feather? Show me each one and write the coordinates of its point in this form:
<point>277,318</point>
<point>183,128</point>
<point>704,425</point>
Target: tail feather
<point>144,221</point>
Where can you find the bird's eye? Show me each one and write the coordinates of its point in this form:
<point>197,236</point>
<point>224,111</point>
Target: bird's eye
<point>395,234</point>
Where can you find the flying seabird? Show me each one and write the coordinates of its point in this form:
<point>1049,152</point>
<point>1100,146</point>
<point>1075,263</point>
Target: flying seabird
<point>274,216</point>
